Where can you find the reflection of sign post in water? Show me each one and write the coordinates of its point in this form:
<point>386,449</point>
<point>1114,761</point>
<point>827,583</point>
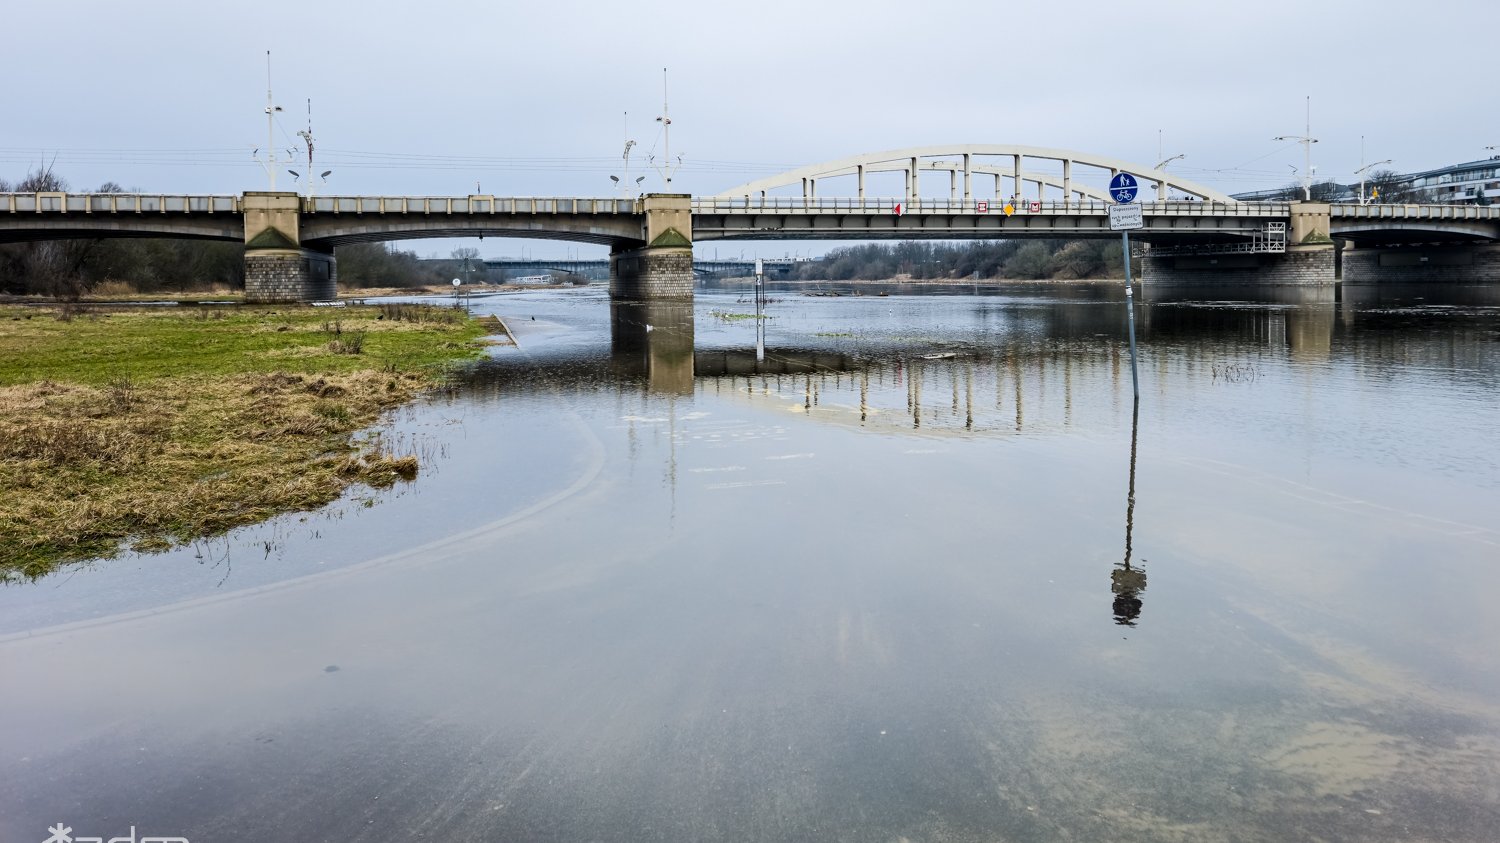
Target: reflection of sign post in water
<point>1122,218</point>
<point>1125,582</point>
<point>760,316</point>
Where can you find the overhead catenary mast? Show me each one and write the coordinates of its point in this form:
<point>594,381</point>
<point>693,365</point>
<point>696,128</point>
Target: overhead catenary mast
<point>271,109</point>
<point>628,144</point>
<point>306,135</point>
<point>1307,141</point>
<point>667,168</point>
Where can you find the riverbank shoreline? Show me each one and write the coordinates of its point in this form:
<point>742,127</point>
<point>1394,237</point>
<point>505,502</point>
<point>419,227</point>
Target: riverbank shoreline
<point>152,427</point>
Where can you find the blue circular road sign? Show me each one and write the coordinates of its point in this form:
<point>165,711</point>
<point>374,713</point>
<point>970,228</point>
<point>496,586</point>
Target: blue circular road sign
<point>1122,187</point>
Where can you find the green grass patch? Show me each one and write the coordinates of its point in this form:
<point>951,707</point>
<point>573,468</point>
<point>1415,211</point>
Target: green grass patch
<point>726,316</point>
<point>151,427</point>
<point>94,345</point>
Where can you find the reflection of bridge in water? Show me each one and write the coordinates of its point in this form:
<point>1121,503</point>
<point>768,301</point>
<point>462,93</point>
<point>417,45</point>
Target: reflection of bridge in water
<point>1052,359</point>
<point>1052,362</point>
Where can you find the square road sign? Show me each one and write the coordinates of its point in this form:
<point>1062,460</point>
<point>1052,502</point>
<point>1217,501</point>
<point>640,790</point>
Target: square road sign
<point>1126,217</point>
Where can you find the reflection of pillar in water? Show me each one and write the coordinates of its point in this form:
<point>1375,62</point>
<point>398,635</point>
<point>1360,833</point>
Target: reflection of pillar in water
<point>1015,373</point>
<point>1309,331</point>
<point>968,396</point>
<point>654,339</point>
<point>1127,582</point>
<point>915,375</point>
<point>864,394</point>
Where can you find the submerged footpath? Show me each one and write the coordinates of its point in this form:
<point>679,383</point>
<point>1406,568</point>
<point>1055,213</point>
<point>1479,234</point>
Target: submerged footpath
<point>149,427</point>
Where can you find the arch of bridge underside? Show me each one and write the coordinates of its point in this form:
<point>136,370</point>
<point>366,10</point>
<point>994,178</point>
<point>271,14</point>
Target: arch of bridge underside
<point>29,227</point>
<point>963,162</point>
<point>1376,231</point>
<point>616,232</point>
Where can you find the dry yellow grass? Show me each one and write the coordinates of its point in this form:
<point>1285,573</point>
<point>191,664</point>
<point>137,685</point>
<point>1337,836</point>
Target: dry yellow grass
<point>91,464</point>
<point>85,467</point>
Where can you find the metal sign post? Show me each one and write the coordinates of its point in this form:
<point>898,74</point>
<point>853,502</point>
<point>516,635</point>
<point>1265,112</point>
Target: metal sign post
<point>1122,218</point>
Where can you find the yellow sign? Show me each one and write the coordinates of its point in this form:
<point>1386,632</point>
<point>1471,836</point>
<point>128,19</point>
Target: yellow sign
<point>1009,209</point>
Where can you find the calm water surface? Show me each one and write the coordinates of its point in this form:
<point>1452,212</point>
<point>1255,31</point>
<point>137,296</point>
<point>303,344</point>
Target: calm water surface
<point>890,584</point>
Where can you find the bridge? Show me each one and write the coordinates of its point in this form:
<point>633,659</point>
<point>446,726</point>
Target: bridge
<point>1192,234</point>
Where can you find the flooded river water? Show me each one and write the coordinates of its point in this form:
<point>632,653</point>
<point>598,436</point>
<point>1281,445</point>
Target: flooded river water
<point>923,574</point>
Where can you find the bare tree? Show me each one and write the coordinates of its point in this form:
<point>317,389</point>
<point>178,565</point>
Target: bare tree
<point>1387,186</point>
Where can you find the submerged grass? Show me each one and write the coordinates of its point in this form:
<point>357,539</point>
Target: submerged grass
<point>151,428</point>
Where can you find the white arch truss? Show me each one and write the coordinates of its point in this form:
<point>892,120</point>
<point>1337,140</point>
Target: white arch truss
<point>1015,177</point>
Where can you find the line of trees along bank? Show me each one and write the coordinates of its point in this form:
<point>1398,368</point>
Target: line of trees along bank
<point>925,260</point>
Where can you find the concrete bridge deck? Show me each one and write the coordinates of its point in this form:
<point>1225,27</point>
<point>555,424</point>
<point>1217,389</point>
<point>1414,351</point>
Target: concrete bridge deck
<point>289,239</point>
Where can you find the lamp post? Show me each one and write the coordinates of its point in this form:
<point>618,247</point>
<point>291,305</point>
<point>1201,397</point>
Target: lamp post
<point>1361,173</point>
<point>1307,141</point>
<point>1162,165</point>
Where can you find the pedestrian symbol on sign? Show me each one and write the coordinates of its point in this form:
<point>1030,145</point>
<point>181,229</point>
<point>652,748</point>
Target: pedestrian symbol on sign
<point>1122,188</point>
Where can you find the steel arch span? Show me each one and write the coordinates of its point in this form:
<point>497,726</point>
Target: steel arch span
<point>1024,172</point>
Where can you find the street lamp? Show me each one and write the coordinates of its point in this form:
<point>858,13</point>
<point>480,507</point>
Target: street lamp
<point>1361,173</point>
<point>1161,192</point>
<point>1307,141</point>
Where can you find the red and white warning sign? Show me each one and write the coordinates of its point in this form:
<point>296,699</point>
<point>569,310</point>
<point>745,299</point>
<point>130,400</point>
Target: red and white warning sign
<point>982,207</point>
<point>1036,207</point>
<point>899,209</point>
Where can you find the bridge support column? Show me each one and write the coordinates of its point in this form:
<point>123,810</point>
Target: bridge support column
<point>1456,264</point>
<point>277,267</point>
<point>1299,266</point>
<point>663,268</point>
<point>1310,259</point>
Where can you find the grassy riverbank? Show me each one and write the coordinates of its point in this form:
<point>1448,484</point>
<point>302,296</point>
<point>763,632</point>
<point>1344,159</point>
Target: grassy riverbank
<point>149,427</point>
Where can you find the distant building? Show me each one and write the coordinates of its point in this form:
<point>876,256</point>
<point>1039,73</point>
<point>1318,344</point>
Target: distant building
<point>1475,182</point>
<point>1470,183</point>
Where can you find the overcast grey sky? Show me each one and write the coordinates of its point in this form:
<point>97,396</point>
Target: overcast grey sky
<point>528,98</point>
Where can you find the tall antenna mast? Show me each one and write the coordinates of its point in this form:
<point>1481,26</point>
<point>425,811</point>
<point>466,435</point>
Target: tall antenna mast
<point>666,169</point>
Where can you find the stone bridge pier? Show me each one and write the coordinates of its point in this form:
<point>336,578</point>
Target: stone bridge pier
<point>278,268</point>
<point>663,268</point>
<point>1310,259</point>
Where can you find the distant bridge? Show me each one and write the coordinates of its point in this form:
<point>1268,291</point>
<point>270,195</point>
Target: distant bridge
<point>598,269</point>
<point>1196,234</point>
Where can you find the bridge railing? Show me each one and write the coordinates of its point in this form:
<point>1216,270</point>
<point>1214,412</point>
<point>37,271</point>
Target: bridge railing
<point>978,207</point>
<point>116,203</point>
<point>1416,212</point>
<point>467,205</point>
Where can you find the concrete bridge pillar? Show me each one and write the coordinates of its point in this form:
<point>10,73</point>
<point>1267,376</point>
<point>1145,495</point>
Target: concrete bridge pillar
<point>277,266</point>
<point>1477,263</point>
<point>663,268</point>
<point>1299,266</point>
<point>1310,259</point>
